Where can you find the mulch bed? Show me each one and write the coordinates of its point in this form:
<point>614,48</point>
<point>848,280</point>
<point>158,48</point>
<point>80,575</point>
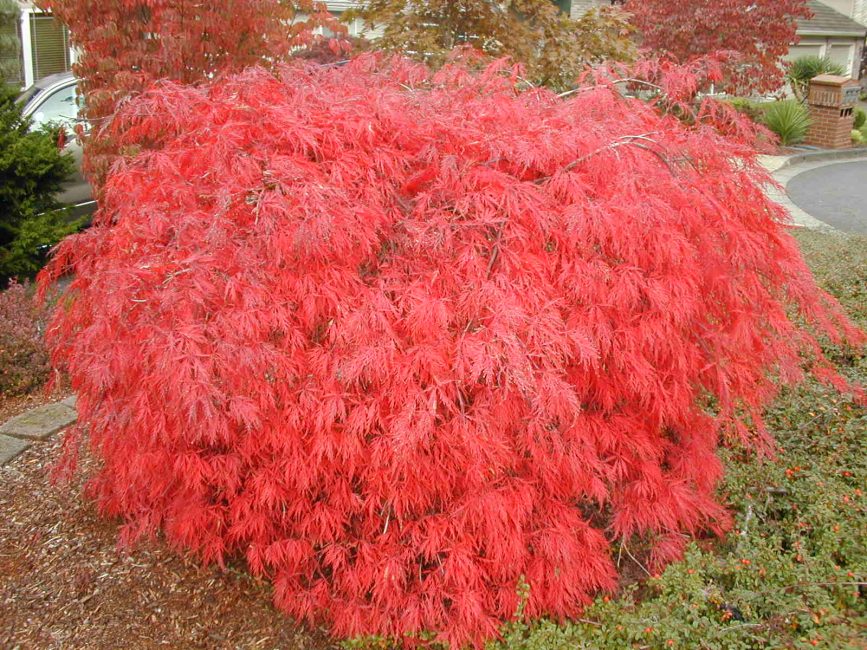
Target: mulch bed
<point>64,583</point>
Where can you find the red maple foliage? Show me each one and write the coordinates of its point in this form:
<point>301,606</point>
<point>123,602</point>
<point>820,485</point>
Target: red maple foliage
<point>757,33</point>
<point>405,340</point>
<point>124,46</point>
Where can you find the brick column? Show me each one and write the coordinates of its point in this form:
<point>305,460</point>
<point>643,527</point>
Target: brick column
<point>832,100</point>
<point>829,129</point>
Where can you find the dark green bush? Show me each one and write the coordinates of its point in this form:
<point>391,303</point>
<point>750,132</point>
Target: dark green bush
<point>32,171</point>
<point>860,118</point>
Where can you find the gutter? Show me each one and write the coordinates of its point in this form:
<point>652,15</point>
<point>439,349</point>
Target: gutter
<point>832,33</point>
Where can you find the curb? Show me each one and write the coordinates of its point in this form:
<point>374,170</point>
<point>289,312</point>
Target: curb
<point>821,156</point>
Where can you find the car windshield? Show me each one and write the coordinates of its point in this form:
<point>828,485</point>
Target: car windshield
<point>59,106</point>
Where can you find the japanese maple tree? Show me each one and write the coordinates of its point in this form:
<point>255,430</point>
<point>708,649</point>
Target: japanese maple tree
<point>553,47</point>
<point>759,32</point>
<point>408,340</point>
<point>125,45</point>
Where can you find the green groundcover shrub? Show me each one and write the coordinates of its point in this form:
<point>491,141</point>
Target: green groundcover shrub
<point>753,109</point>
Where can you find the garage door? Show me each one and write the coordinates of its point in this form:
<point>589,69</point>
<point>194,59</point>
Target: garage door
<point>804,49</point>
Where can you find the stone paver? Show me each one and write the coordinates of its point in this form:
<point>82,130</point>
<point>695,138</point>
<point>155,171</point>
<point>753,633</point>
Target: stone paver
<point>72,400</point>
<point>10,448</point>
<point>40,423</point>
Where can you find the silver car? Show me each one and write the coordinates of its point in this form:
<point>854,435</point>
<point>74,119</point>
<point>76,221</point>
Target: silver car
<point>53,100</point>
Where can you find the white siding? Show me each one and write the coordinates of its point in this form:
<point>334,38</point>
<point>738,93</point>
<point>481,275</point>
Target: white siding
<point>845,7</point>
<point>356,28</point>
<point>579,7</point>
<point>845,51</point>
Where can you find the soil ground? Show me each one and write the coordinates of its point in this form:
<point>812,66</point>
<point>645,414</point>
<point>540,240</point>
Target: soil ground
<point>65,584</point>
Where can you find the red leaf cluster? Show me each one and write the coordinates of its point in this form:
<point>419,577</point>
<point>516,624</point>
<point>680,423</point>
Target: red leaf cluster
<point>755,33</point>
<point>404,340</point>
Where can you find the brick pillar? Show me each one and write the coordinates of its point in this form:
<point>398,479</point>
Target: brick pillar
<point>832,100</point>
<point>829,129</point>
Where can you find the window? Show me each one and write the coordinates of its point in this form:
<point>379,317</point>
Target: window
<point>60,106</point>
<point>50,45</point>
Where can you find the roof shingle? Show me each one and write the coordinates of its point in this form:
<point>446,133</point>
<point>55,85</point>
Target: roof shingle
<point>829,22</point>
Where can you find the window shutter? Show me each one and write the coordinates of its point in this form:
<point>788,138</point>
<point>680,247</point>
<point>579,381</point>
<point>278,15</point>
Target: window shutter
<point>50,45</point>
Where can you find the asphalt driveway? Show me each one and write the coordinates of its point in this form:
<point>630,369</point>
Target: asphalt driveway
<point>835,194</point>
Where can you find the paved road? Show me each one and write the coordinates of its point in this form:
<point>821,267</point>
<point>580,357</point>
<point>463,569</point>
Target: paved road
<point>835,194</point>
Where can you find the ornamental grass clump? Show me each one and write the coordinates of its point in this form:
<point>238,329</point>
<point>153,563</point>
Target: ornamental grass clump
<point>789,119</point>
<point>409,341</point>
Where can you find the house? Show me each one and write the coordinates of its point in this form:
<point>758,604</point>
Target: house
<point>855,9</point>
<point>45,46</point>
<point>832,33</point>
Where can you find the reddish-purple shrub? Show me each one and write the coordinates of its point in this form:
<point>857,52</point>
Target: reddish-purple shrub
<point>23,357</point>
<point>758,33</point>
<point>404,341</point>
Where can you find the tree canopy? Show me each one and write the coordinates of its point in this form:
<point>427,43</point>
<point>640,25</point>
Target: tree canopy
<point>554,47</point>
<point>756,34</point>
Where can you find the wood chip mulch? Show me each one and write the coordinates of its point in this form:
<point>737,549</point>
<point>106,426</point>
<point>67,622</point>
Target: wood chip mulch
<point>64,583</point>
